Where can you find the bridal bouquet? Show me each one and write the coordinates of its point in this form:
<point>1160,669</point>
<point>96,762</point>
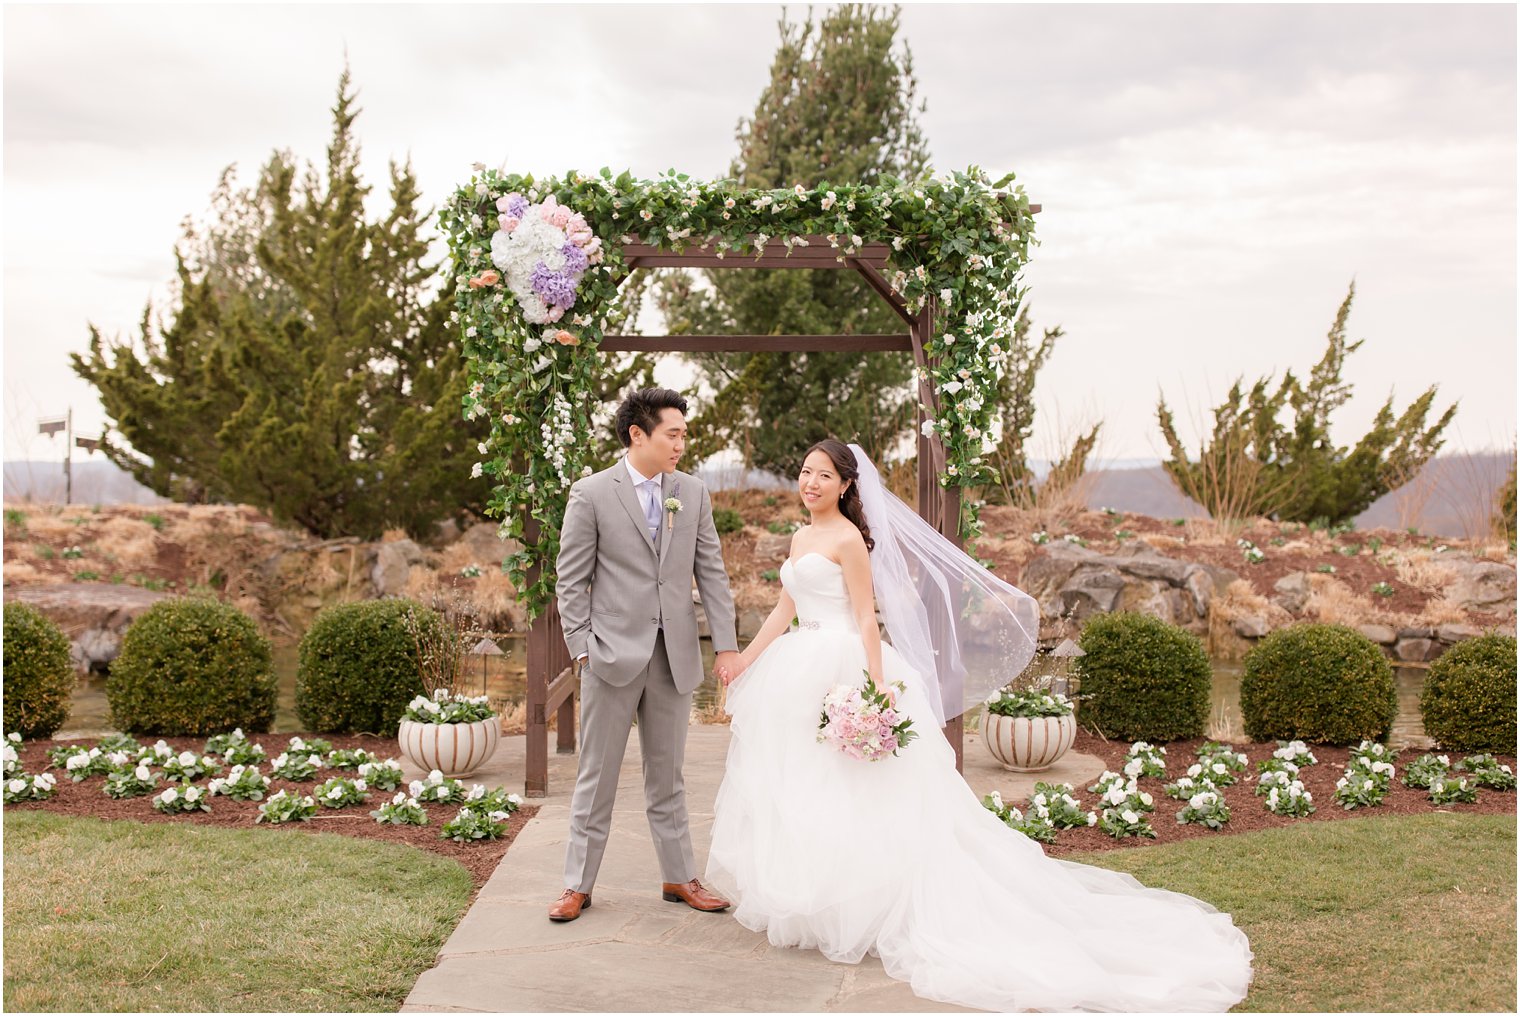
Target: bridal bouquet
<point>863,723</point>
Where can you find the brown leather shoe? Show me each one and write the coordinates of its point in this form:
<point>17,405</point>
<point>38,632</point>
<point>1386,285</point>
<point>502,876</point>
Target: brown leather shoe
<point>693,895</point>
<point>569,905</point>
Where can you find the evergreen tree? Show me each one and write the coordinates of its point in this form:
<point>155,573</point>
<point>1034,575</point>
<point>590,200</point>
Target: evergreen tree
<point>1254,465</point>
<point>840,106</point>
<point>321,384</point>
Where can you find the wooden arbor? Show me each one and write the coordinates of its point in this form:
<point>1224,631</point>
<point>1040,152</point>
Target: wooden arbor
<point>940,507</point>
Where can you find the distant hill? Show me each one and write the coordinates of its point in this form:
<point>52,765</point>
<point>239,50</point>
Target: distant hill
<point>1452,494</point>
<point>97,482</point>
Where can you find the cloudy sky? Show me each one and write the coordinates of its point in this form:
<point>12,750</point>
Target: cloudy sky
<point>1213,177</point>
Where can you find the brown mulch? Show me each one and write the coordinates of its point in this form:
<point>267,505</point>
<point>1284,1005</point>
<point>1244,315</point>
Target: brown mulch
<point>88,799</point>
<point>1249,812</point>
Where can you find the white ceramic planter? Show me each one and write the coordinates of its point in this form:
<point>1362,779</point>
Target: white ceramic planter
<point>455,749</point>
<point>1025,744</point>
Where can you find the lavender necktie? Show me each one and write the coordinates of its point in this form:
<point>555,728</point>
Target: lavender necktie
<point>652,508</point>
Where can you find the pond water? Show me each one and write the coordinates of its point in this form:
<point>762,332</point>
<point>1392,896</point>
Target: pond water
<point>505,680</point>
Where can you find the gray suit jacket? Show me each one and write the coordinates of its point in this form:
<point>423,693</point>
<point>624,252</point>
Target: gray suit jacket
<point>615,589</point>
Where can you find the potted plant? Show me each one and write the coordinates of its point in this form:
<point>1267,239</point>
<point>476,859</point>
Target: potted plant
<point>1028,729</point>
<point>445,729</point>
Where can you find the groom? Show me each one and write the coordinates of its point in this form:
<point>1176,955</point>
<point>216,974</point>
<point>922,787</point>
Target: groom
<point>633,538</point>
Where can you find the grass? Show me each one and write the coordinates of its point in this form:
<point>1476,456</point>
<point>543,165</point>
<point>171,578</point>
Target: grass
<point>103,916</point>
<point>1405,914</point>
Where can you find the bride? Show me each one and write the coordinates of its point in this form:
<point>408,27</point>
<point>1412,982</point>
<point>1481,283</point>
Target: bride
<point>897,857</point>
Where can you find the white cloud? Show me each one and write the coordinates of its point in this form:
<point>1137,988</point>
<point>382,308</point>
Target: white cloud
<point>1212,177</point>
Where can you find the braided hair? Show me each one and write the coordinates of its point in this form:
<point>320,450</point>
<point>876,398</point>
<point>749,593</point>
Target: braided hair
<point>849,501</point>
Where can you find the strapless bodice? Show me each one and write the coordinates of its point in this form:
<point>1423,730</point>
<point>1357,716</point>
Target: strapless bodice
<point>816,586</point>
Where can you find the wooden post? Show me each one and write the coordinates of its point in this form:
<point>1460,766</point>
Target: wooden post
<point>540,640</point>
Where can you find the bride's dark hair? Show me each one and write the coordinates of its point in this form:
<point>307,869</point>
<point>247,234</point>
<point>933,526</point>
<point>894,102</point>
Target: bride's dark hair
<point>849,502</point>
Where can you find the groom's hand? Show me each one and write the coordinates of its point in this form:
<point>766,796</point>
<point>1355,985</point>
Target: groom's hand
<point>728,666</point>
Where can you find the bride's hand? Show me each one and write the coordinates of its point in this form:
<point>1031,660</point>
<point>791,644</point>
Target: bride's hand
<point>890,691</point>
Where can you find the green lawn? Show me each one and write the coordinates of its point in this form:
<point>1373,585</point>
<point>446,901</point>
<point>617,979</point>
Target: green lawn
<point>106,916</point>
<point>1373,914</point>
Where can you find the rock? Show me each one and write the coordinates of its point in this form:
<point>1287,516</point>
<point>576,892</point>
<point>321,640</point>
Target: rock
<point>1417,632</point>
<point>1292,592</point>
<point>1153,566</point>
<point>92,614</point>
<point>1457,632</point>
<point>1417,650</point>
<point>94,649</point>
<point>1483,586</point>
<point>486,547</point>
<point>773,546</point>
<point>1379,633</point>
<point>393,563</point>
<point>1089,592</point>
<point>1250,626</point>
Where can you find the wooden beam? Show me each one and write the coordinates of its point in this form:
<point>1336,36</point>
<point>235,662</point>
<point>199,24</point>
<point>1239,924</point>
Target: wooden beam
<point>756,343</point>
<point>818,253</point>
<point>883,289</point>
<point>561,688</point>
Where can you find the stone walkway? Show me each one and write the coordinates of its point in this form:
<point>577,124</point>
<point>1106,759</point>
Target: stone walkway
<point>631,951</point>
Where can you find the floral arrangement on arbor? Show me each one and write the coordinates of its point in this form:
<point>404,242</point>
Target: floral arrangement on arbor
<point>536,265</point>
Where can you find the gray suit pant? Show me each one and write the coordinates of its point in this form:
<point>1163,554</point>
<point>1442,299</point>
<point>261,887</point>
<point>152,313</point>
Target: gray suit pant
<point>607,713</point>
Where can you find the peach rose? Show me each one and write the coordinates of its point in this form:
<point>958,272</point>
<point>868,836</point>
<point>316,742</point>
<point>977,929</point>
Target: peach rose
<point>565,338</point>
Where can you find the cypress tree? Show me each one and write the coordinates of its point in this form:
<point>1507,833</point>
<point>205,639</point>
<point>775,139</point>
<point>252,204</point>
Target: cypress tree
<point>840,106</point>
<point>328,394</point>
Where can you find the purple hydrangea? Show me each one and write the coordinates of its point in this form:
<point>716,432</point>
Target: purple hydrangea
<point>517,206</point>
<point>554,288</point>
<point>575,259</point>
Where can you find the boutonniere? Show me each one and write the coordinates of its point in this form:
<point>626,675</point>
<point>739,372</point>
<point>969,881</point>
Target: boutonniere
<point>672,505</point>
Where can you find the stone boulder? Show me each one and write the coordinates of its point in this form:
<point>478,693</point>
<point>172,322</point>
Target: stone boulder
<point>1291,592</point>
<point>94,615</point>
<point>773,546</point>
<point>1072,581</point>
<point>393,564</point>
<point>1485,586</point>
<point>486,548</point>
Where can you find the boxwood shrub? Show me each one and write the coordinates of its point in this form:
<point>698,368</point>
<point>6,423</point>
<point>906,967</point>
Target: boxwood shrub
<point>1468,701</point>
<point>39,675</point>
<point>192,666</point>
<point>359,666</point>
<point>1142,679</point>
<point>1322,683</point>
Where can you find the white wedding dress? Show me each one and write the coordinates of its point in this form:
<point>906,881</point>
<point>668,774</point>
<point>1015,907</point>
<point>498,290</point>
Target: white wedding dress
<point>898,858</point>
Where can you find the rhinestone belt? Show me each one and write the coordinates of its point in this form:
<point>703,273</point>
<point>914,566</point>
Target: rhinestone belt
<point>810,625</point>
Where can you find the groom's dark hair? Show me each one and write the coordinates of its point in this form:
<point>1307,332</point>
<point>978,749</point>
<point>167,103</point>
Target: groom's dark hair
<point>642,409</point>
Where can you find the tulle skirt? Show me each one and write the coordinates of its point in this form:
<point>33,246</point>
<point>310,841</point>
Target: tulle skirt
<point>898,858</point>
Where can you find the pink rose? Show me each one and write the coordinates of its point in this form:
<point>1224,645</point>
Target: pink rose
<point>508,224</point>
<point>560,216</point>
<point>505,200</point>
<point>555,313</point>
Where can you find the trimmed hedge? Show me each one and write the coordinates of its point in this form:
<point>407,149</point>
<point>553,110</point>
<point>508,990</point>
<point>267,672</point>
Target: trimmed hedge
<point>1322,683</point>
<point>39,674</point>
<point>1468,701</point>
<point>1142,679</point>
<point>727,520</point>
<point>359,666</point>
<point>192,666</point>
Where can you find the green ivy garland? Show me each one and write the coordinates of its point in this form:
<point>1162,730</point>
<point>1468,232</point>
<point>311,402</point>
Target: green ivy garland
<point>959,237</point>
